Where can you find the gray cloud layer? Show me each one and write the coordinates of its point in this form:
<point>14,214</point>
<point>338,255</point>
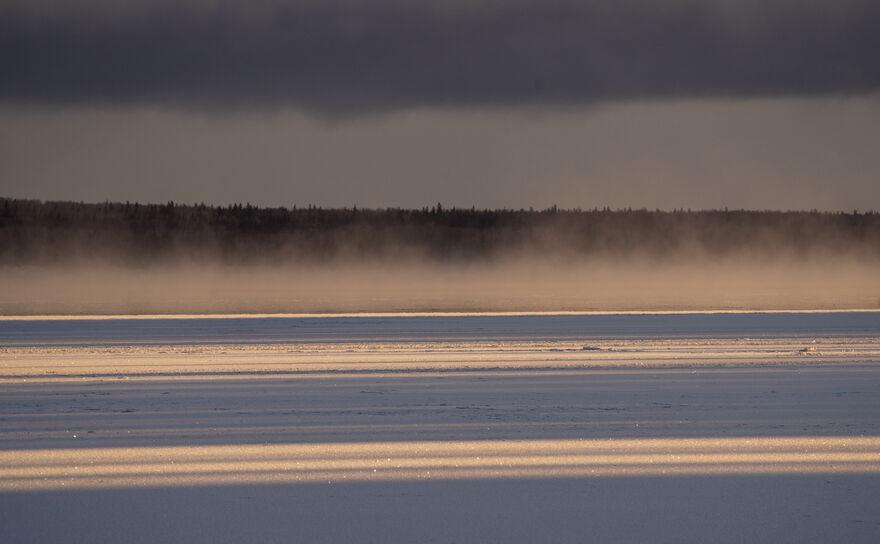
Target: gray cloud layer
<point>363,56</point>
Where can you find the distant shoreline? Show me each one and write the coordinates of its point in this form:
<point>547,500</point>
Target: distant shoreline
<point>38,233</point>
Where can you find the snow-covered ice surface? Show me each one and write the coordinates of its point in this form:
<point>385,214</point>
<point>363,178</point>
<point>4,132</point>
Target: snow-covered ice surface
<point>458,327</point>
<point>694,427</point>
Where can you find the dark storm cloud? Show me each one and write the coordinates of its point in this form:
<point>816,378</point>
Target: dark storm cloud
<point>361,56</point>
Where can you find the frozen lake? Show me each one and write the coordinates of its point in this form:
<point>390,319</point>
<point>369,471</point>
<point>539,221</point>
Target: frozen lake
<point>370,328</point>
<point>693,427</point>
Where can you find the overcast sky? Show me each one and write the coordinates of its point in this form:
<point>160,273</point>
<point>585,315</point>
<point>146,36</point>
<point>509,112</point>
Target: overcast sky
<point>507,103</point>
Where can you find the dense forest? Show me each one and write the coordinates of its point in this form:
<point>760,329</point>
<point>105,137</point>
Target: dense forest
<point>49,233</point>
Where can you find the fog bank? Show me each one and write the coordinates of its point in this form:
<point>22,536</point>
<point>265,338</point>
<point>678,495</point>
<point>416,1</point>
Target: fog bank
<point>503,286</point>
<point>114,258</point>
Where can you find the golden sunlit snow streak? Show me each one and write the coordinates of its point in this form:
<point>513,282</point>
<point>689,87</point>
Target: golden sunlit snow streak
<point>27,470</point>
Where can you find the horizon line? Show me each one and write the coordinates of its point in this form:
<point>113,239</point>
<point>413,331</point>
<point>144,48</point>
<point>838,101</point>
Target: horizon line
<point>330,315</point>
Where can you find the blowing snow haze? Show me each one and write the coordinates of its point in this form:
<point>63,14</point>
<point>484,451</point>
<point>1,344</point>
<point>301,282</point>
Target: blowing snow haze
<point>68,258</point>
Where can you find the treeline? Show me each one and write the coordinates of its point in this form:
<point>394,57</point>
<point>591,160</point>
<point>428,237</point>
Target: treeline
<point>49,233</point>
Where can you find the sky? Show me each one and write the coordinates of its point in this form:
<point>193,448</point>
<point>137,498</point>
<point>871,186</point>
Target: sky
<point>769,104</point>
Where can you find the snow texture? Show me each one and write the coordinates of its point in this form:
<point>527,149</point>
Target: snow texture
<point>722,427</point>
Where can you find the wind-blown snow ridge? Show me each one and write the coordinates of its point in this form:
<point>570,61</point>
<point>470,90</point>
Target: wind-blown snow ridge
<point>402,461</point>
